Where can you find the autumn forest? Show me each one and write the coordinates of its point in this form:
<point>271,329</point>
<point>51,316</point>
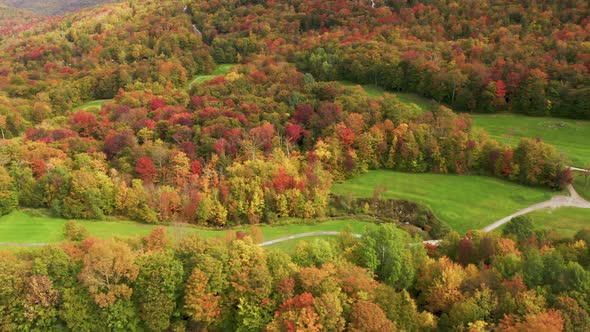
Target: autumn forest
<point>234,115</point>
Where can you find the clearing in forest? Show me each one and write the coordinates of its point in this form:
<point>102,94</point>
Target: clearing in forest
<point>570,137</point>
<point>463,202</point>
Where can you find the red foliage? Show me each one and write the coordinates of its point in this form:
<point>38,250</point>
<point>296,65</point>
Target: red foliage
<point>83,122</point>
<point>146,169</point>
<point>500,89</point>
<point>303,114</point>
<point>283,181</point>
<point>293,132</point>
<point>196,167</point>
<point>39,167</point>
<point>346,136</point>
<point>157,103</point>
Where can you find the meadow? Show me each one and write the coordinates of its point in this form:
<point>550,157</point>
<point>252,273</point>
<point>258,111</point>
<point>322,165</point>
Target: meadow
<point>22,227</point>
<point>570,137</point>
<point>566,221</point>
<point>463,202</point>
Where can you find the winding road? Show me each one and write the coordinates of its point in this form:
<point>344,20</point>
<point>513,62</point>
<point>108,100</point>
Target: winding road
<point>573,200</point>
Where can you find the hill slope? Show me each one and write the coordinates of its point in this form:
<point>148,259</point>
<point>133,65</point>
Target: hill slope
<point>53,7</point>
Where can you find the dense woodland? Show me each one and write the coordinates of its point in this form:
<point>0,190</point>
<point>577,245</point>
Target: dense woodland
<point>266,141</point>
<point>52,7</point>
<point>522,281</point>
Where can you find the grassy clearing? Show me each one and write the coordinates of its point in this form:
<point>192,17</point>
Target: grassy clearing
<point>220,70</point>
<point>464,202</point>
<point>567,221</point>
<point>20,227</point>
<point>570,137</point>
<point>94,103</point>
<point>582,185</point>
<point>289,246</point>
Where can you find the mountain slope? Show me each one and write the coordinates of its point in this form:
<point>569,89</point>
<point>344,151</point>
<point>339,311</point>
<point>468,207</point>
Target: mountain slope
<point>53,7</point>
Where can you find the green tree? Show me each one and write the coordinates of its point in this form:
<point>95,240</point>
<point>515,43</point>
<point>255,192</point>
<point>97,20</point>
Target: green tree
<point>520,227</point>
<point>8,195</point>
<point>156,288</point>
<point>385,250</point>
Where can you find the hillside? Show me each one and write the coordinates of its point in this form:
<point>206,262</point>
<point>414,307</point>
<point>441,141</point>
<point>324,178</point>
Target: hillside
<point>246,119</point>
<point>53,7</point>
<point>13,21</point>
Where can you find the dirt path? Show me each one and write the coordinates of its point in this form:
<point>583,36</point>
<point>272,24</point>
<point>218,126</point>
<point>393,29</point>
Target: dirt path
<point>573,200</point>
<point>297,236</point>
<point>12,244</point>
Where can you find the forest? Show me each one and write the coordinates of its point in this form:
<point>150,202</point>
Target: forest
<point>124,111</point>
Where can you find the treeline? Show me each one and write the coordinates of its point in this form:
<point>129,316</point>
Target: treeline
<point>478,56</point>
<point>522,281</point>
<point>262,142</point>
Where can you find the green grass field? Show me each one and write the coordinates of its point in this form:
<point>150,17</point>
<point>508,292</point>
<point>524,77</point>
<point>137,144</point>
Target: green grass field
<point>289,246</point>
<point>570,137</point>
<point>464,202</point>
<point>582,185</point>
<point>20,227</point>
<point>94,103</point>
<point>567,221</point>
<point>411,99</point>
<point>220,70</point>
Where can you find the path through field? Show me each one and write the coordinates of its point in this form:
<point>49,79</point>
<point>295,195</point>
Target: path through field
<point>573,200</point>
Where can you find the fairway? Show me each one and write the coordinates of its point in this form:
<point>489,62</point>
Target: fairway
<point>19,227</point>
<point>220,70</point>
<point>570,137</point>
<point>566,221</point>
<point>463,202</point>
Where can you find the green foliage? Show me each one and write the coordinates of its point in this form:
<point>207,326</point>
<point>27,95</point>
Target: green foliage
<point>384,250</point>
<point>314,253</point>
<point>156,289</point>
<point>520,227</point>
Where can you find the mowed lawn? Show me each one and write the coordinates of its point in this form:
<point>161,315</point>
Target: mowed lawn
<point>570,137</point>
<point>464,202</point>
<point>567,221</point>
<point>220,70</point>
<point>20,227</point>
